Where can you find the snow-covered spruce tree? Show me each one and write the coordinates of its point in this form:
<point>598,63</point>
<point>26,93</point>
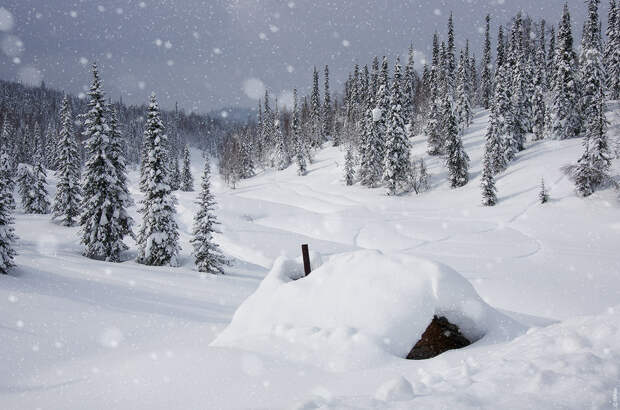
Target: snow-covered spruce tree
<point>495,148</point>
<point>66,206</point>
<point>457,160</point>
<point>592,77</point>
<point>207,254</point>
<point>104,221</point>
<point>450,57</point>
<point>6,175</point>
<point>489,191</point>
<point>538,100</point>
<point>612,50</point>
<point>158,237</point>
<point>25,182</point>
<point>543,194</point>
<point>565,109</point>
<point>298,141</point>
<point>37,143</point>
<point>245,155</point>
<point>266,136</point>
<point>515,62</point>
<point>423,177</point>
<point>281,155</point>
<point>7,205</point>
<point>39,203</point>
<point>187,180</point>
<point>593,166</point>
<point>409,85</point>
<point>433,124</point>
<point>463,104</point>
<point>383,102</point>
<point>317,136</point>
<point>327,114</point>
<point>116,154</point>
<point>349,166</point>
<point>486,80</point>
<point>396,160</point>
<point>175,174</point>
<point>551,56</point>
<point>371,149</point>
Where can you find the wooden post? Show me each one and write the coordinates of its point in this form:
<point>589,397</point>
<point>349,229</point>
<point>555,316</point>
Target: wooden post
<point>306,256</point>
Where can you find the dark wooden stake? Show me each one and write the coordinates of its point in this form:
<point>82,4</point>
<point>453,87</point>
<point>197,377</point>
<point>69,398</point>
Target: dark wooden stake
<point>306,256</point>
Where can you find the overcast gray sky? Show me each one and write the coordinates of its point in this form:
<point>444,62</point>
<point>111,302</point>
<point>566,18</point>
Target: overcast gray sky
<point>215,53</point>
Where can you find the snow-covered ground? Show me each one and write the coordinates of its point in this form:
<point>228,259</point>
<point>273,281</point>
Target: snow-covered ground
<point>77,333</point>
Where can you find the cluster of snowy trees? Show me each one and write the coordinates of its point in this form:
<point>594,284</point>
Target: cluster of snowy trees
<point>30,123</point>
<point>536,87</point>
<point>95,194</point>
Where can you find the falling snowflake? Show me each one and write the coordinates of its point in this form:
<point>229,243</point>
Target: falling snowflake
<point>253,88</point>
<point>6,20</point>
<point>12,46</point>
<point>346,43</point>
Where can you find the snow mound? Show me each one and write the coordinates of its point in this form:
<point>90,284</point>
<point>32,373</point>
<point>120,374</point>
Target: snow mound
<point>398,389</point>
<point>358,309</point>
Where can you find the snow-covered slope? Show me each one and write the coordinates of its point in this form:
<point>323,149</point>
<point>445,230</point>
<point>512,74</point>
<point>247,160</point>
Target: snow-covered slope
<point>77,333</point>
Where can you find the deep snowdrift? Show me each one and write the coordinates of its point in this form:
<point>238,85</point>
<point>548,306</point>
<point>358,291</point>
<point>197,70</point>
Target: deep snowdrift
<point>357,309</point>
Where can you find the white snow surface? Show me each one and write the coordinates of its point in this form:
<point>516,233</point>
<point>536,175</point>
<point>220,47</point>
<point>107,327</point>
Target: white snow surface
<point>357,309</point>
<point>78,333</point>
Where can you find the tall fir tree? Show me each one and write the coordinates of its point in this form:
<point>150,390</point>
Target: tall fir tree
<point>327,114</point>
<point>7,206</point>
<point>551,55</point>
<point>433,124</point>
<point>565,109</point>
<point>371,149</point>
<point>298,141</point>
<point>463,104</point>
<point>175,174</point>
<point>612,50</point>
<point>396,158</point>
<point>121,194</point>
<point>282,156</point>
<point>516,63</point>
<point>207,254</point>
<point>39,198</point>
<point>25,182</point>
<point>68,196</point>
<point>315,112</point>
<point>187,180</point>
<point>104,221</point>
<point>487,183</point>
<point>409,85</point>
<point>349,166</point>
<point>457,160</point>
<point>486,80</point>
<point>6,175</point>
<point>450,56</point>
<point>158,237</point>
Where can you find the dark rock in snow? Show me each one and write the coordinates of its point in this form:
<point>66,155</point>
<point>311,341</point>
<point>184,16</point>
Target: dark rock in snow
<point>438,337</point>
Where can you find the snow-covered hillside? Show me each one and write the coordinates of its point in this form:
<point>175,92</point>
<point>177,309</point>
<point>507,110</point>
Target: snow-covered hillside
<point>77,333</point>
